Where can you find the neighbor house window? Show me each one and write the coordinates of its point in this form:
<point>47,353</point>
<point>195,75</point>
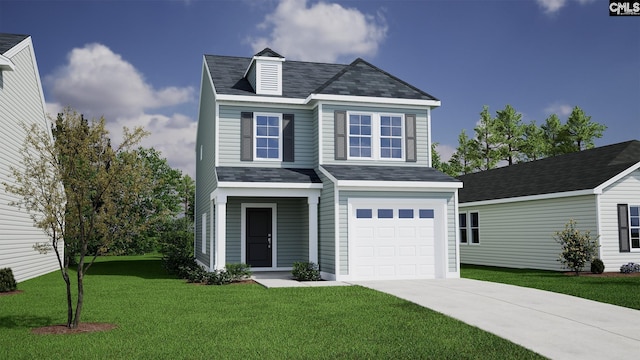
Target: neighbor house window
<point>469,228</point>
<point>376,136</point>
<point>634,226</point>
<point>268,139</point>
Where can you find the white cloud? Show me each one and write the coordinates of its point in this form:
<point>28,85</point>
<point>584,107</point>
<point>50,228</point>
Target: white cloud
<point>97,82</point>
<point>559,109</point>
<point>553,6</point>
<point>445,151</point>
<point>320,32</point>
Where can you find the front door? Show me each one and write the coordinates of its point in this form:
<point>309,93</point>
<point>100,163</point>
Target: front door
<point>259,231</point>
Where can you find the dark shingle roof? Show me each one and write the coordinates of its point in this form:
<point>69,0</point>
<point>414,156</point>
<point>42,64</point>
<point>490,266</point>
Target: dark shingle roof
<point>361,78</point>
<point>275,175</point>
<point>387,173</point>
<point>7,41</point>
<point>269,53</point>
<point>301,79</point>
<point>582,170</point>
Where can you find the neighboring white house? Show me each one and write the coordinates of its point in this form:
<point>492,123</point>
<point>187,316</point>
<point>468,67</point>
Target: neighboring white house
<point>21,100</point>
<point>508,216</point>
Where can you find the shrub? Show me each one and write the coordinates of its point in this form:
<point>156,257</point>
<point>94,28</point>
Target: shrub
<point>630,268</point>
<point>217,277</point>
<point>238,272</point>
<point>305,271</point>
<point>7,281</point>
<point>578,248</point>
<point>177,253</point>
<point>193,274</point>
<point>597,266</point>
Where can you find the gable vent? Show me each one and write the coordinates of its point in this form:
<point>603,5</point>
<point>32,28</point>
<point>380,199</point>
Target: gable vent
<point>269,78</point>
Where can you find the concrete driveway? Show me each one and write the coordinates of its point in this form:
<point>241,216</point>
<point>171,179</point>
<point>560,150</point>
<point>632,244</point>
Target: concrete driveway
<point>554,325</point>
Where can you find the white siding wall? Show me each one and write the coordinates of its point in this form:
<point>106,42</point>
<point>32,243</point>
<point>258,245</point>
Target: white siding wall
<point>623,191</point>
<point>520,234</point>
<point>20,101</point>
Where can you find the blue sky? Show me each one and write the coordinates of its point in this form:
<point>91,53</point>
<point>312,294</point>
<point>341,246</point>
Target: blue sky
<point>139,62</point>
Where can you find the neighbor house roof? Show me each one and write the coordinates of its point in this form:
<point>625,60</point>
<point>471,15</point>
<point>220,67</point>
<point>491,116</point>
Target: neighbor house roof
<point>387,173</point>
<point>582,170</point>
<point>7,41</point>
<point>301,79</point>
<point>259,174</point>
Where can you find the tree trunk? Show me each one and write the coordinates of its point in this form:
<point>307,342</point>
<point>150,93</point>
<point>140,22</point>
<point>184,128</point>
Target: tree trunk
<point>76,319</point>
<point>67,281</point>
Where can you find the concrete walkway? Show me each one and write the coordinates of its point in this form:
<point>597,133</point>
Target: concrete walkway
<point>554,325</point>
<point>282,279</point>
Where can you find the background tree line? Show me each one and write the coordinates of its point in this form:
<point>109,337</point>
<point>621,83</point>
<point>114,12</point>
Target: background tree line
<point>506,140</point>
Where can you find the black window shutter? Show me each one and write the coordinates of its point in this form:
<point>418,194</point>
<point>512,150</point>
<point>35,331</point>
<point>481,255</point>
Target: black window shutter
<point>623,227</point>
<point>246,134</point>
<point>410,138</point>
<point>340,137</point>
<point>288,153</point>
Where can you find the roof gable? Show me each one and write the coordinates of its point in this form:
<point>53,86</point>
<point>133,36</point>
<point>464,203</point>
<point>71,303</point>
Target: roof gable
<point>361,78</point>
<point>584,170</point>
<point>269,53</point>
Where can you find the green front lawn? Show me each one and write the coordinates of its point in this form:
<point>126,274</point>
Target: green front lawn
<point>159,317</point>
<point>622,291</point>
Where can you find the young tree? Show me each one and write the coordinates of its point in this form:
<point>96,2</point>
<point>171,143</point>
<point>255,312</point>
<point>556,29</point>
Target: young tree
<point>581,131</point>
<point>578,248</point>
<point>510,132</point>
<point>488,140</point>
<point>84,162</point>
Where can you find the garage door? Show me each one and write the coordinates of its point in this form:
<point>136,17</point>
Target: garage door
<point>392,240</point>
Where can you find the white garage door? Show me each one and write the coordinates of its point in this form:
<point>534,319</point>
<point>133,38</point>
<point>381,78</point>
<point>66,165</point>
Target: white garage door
<point>392,240</point>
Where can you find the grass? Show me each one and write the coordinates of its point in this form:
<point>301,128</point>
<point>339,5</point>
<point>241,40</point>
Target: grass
<point>159,317</point>
<point>622,291</point>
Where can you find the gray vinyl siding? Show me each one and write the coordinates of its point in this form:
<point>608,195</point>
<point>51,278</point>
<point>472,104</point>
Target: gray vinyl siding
<point>206,180</point>
<point>20,101</point>
<point>326,226</point>
<point>521,234</point>
<point>230,137</point>
<point>292,239</point>
<point>623,191</point>
<point>344,216</point>
<point>328,134</point>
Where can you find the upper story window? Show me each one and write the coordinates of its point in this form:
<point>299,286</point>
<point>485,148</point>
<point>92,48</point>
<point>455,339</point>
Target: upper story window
<point>376,136</point>
<point>268,136</point>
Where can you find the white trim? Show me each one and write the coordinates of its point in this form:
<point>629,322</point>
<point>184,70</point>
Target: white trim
<point>254,134</point>
<point>254,99</point>
<point>320,136</point>
<point>265,192</point>
<point>428,137</point>
<point>268,185</point>
<point>599,224</point>
<point>221,232</point>
<point>216,136</point>
<point>373,100</point>
<point>604,185</point>
<point>529,198</point>
<point>398,185</point>
<point>203,233</point>
<point>456,227</point>
<point>274,233</point>
<point>313,228</point>
<point>212,234</point>
<point>6,64</point>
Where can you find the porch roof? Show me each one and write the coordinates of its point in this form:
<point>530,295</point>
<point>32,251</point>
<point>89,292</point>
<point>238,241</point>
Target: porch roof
<point>387,173</point>
<point>266,175</point>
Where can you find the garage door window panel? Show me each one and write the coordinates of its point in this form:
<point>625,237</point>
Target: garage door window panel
<point>405,213</point>
<point>385,213</point>
<point>364,213</point>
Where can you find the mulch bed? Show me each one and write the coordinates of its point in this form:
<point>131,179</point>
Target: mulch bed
<point>6,293</point>
<point>82,328</point>
<point>604,274</point>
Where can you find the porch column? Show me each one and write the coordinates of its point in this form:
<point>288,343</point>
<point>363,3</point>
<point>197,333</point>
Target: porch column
<point>313,228</point>
<point>221,232</point>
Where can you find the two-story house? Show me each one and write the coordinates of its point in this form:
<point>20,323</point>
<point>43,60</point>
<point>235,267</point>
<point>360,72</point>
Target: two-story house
<point>21,102</point>
<point>329,163</point>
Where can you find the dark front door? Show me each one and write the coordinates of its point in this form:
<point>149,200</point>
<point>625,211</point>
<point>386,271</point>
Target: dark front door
<point>259,230</point>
